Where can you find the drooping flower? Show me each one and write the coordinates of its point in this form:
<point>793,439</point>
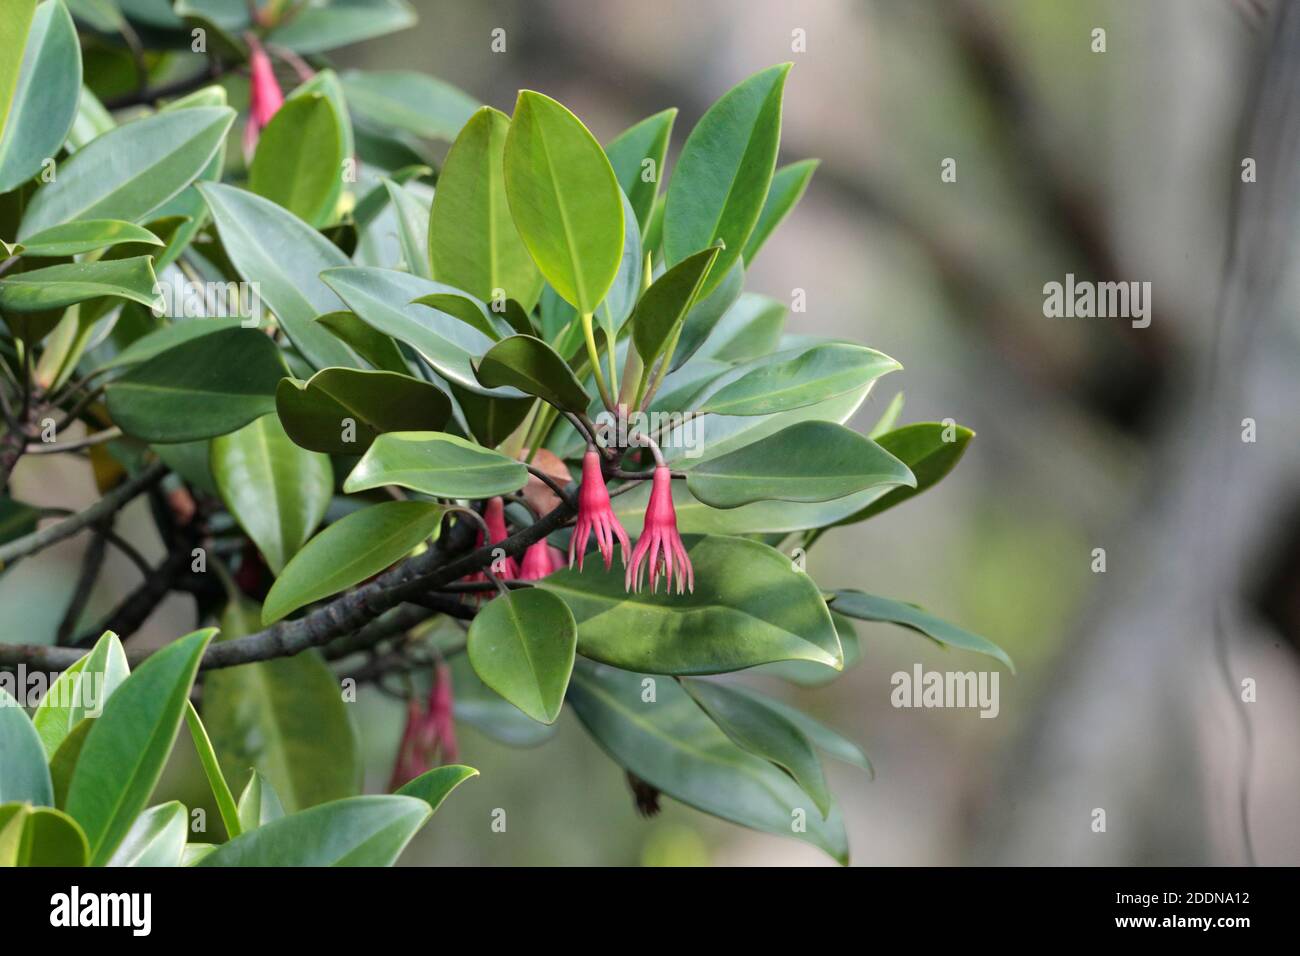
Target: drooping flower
<point>264,96</point>
<point>429,738</point>
<point>660,541</point>
<point>494,516</point>
<point>540,560</point>
<point>595,513</point>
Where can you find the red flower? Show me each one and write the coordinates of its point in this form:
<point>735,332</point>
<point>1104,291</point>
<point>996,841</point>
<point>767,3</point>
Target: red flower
<point>430,732</point>
<point>659,538</point>
<point>539,561</point>
<point>494,516</point>
<point>596,513</point>
<point>264,95</point>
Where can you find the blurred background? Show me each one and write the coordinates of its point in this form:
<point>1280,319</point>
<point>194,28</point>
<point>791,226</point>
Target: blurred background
<point>1114,165</point>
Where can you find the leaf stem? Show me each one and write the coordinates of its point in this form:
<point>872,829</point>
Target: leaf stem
<point>593,355</point>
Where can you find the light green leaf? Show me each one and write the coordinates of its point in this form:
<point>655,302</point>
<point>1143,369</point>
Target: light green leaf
<point>888,419</point>
<point>299,159</point>
<point>434,786</point>
<point>74,238</point>
<point>722,177</point>
<point>212,770</point>
<point>491,714</point>
<point>788,186</point>
<point>749,329</point>
<point>81,690</point>
<point>707,312</point>
<point>522,646</point>
<point>125,749</point>
<point>672,745</point>
<point>473,244</point>
<point>822,737</point>
<point>820,373</point>
<point>350,550</point>
<point>750,606</point>
<point>868,607</point>
<point>131,170</point>
<point>437,464</point>
<point>532,366</point>
<point>637,157</point>
<point>277,491</point>
<point>15,28</point>
<point>565,200</point>
<point>40,836</point>
<point>55,287</point>
<point>25,777</point>
<point>340,411</point>
<point>258,804</point>
<point>156,838</point>
<point>40,101</point>
<point>201,388</point>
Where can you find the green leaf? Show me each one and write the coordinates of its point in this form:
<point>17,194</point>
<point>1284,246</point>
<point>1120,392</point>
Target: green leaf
<point>258,804</point>
<point>662,310</point>
<point>750,606</point>
<point>194,852</point>
<point>324,26</point>
<point>80,691</point>
<point>672,745</point>
<point>299,158</point>
<point>201,388</point>
<point>285,257</point>
<point>375,347</point>
<point>168,337</point>
<point>491,420</point>
<point>491,714</point>
<point>412,228</point>
<point>822,737</point>
<point>637,156</point>
<point>434,786</point>
<point>74,238</point>
<point>156,838</point>
<point>532,366</point>
<point>40,836</point>
<point>888,419</point>
<point>212,770</point>
<point>788,186</point>
<point>808,461</point>
<point>350,550</point>
<point>285,718</point>
<point>522,646</point>
<point>385,300</point>
<point>40,101</point>
<point>868,607</point>
<point>25,777</point>
<point>131,170</point>
<point>820,373</point>
<point>473,243</point>
<point>707,312</point>
<point>722,177</point>
<point>749,329</point>
<point>64,762</point>
<point>326,83</point>
<point>316,413</point>
<point>359,831</point>
<point>923,449</point>
<point>55,287</point>
<point>17,519</point>
<point>277,491</point>
<point>468,310</point>
<point>754,727</point>
<point>413,103</point>
<point>436,464</point>
<point>125,749</point>
<point>565,200</point>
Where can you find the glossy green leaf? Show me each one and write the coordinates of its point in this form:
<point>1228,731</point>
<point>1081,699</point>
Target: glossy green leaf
<point>203,387</point>
<point>820,373</point>
<point>74,238</point>
<point>125,749</point>
<point>24,777</point>
<point>488,712</point>
<point>327,83</point>
<point>81,690</point>
<point>637,157</point>
<point>340,411</point>
<point>258,804</point>
<point>751,605</point>
<point>55,287</point>
<point>194,852</point>
<point>350,550</point>
<point>662,310</point>
<point>565,200</point>
<point>522,645</point>
<point>532,366</point>
<point>40,836</point>
<point>722,177</point>
<point>788,186</point>
<point>277,491</point>
<point>131,170</point>
<point>473,243</point>
<point>64,762</point>
<point>822,737</point>
<point>437,464</point>
<point>671,744</point>
<point>373,346</point>
<point>808,461</point>
<point>169,336</point>
<point>299,158</point>
<point>923,448</point>
<point>285,257</point>
<point>434,786</point>
<point>284,718</point>
<point>41,100</point>
<point>212,770</point>
<point>707,312</point>
<point>749,329</point>
<point>468,310</point>
<point>324,26</point>
<point>754,727</point>
<point>412,228</point>
<point>413,103</point>
<point>156,838</point>
<point>868,607</point>
<point>888,419</point>
<point>491,420</point>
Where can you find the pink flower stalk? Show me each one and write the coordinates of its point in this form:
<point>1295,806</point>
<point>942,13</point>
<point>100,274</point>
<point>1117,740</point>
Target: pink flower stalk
<point>264,97</point>
<point>596,514</point>
<point>430,732</point>
<point>539,562</point>
<point>659,539</point>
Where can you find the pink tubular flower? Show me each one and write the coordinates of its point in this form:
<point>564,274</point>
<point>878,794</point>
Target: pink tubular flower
<point>659,538</point>
<point>264,96</point>
<point>494,516</point>
<point>595,513</point>
<point>430,733</point>
<point>539,561</point>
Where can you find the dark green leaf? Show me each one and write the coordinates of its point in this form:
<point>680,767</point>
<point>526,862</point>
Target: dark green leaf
<point>55,287</point>
<point>324,26</point>
<point>532,366</point>
<point>749,329</point>
<point>42,103</point>
<point>820,373</point>
<point>868,607</point>
<point>663,308</point>
<point>375,347</point>
<point>437,464</point>
<point>923,449</point>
